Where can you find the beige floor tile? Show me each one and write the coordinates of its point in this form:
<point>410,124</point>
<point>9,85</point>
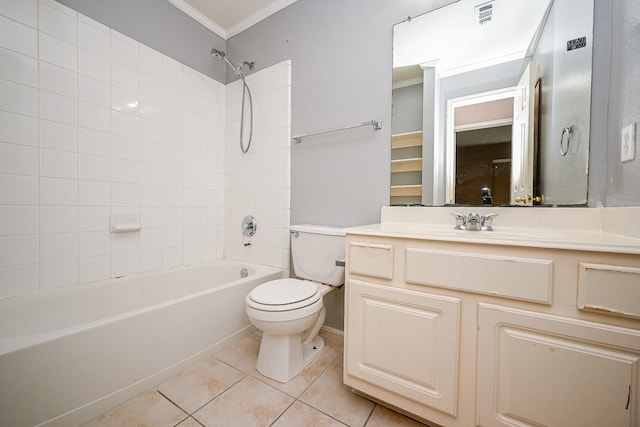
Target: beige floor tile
<point>189,422</point>
<point>384,417</point>
<point>146,409</point>
<point>335,341</point>
<point>329,395</point>
<point>300,414</point>
<point>248,403</point>
<point>242,355</point>
<point>197,385</point>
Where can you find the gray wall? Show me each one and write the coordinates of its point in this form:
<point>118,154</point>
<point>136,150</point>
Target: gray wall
<point>161,26</point>
<point>623,179</point>
<point>341,74</point>
<point>407,109</point>
<point>565,101</point>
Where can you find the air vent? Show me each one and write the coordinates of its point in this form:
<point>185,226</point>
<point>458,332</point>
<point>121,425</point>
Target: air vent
<point>484,12</point>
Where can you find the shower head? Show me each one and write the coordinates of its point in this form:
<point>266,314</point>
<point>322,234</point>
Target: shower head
<point>219,55</point>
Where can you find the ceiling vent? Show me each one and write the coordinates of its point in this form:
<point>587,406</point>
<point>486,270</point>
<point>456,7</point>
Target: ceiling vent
<point>484,12</point>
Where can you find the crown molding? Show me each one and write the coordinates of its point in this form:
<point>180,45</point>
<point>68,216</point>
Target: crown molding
<point>258,16</point>
<point>239,27</point>
<point>192,12</point>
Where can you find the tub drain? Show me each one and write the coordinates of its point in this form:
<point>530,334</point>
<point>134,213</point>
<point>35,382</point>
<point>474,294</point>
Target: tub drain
<point>244,273</point>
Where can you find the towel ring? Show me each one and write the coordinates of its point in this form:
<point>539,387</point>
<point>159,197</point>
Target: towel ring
<point>564,148</point>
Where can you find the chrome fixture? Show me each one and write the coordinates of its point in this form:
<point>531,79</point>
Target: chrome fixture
<point>220,55</point>
<point>474,221</point>
<point>568,132</point>
<point>249,226</point>
<point>377,125</point>
<point>485,194</point>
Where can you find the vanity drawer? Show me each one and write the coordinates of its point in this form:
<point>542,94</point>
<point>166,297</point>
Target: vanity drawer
<point>527,279</point>
<point>371,259</point>
<point>609,289</point>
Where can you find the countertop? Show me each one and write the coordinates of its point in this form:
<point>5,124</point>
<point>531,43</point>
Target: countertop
<point>584,229</point>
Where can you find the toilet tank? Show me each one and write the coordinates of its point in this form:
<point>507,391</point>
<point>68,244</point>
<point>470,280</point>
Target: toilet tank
<point>315,250</point>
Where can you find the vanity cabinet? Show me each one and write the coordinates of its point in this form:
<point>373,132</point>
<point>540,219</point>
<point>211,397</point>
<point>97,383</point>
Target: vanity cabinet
<point>406,342</point>
<point>537,369</point>
<point>472,334</point>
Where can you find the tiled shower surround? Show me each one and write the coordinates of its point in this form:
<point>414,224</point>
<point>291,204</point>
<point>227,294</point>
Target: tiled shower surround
<point>93,123</point>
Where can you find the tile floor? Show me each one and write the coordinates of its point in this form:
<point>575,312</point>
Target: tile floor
<point>226,390</point>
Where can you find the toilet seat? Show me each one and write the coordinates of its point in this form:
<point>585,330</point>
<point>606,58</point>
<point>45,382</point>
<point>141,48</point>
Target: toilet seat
<point>284,295</point>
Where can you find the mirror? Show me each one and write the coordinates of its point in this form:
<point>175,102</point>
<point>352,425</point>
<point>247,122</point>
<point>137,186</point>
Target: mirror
<point>491,104</point>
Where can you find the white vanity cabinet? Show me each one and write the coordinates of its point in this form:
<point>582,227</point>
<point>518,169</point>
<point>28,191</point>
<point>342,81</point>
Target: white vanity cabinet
<point>541,370</point>
<point>463,333</point>
<point>406,342</point>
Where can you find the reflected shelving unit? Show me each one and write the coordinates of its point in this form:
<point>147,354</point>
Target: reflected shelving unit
<point>406,168</point>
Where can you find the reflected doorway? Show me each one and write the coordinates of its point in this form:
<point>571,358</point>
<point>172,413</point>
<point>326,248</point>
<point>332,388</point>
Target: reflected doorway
<point>483,160</point>
<point>479,148</point>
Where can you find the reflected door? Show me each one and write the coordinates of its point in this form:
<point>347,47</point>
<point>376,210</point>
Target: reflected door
<point>522,141</point>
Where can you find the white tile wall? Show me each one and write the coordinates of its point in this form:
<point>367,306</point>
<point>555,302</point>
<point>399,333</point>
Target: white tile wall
<point>93,122</point>
<point>258,183</point>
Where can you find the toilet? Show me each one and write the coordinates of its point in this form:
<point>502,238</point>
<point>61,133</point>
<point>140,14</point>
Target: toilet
<point>290,312</point>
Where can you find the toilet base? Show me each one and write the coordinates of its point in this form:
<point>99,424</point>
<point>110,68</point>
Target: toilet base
<point>282,357</point>
<point>309,353</point>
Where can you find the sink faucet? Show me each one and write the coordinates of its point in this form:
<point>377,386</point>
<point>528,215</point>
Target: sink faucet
<point>474,221</point>
<point>486,222</point>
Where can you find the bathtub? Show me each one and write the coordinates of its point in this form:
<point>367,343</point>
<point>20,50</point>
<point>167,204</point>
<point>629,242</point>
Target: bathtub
<point>69,355</point>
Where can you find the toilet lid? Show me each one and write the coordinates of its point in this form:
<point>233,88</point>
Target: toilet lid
<point>284,292</point>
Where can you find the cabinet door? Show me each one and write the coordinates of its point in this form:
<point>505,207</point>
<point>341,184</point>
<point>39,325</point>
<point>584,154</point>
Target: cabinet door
<point>405,342</point>
<point>543,370</point>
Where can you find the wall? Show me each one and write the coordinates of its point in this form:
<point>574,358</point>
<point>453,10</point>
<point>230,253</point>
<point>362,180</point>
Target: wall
<point>565,101</point>
<point>161,26</point>
<point>341,74</point>
<point>258,182</point>
<point>407,109</point>
<point>93,122</point>
<point>623,179</point>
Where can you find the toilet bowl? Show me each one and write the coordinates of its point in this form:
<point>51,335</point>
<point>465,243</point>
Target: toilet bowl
<point>290,339</point>
<point>290,312</point>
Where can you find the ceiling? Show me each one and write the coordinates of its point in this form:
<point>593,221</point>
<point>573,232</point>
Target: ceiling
<point>464,41</point>
<point>229,17</point>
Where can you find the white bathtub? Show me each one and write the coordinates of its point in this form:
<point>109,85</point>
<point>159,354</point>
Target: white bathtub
<point>69,355</point>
